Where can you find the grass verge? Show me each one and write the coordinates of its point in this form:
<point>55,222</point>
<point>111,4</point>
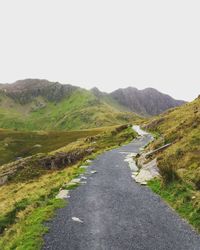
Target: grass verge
<point>181,197</point>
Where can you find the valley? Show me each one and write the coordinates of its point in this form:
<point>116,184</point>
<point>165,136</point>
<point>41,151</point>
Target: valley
<point>50,133</point>
<point>20,144</point>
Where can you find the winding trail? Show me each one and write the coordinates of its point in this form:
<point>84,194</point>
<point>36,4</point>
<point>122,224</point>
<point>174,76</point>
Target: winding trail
<point>117,213</point>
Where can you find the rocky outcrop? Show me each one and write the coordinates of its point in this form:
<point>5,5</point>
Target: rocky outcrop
<point>61,160</point>
<point>145,102</point>
<point>32,166</point>
<point>25,91</point>
<point>147,172</point>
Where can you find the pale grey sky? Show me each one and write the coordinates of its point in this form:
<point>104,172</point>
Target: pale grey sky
<point>104,43</point>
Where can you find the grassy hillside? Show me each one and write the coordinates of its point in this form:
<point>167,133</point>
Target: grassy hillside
<point>80,110</point>
<point>180,163</point>
<point>17,144</point>
<point>25,203</point>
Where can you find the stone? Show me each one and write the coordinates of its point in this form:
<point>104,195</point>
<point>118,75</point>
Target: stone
<point>84,167</point>
<point>77,220</point>
<point>77,180</point>
<point>93,172</point>
<point>63,194</point>
<point>83,182</point>
<point>147,172</point>
<point>131,162</point>
<point>3,179</point>
<point>37,146</point>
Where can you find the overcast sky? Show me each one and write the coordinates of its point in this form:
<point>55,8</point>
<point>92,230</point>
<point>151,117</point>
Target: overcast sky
<point>104,43</point>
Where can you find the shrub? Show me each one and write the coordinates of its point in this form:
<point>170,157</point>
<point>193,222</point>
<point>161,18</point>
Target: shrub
<point>167,171</point>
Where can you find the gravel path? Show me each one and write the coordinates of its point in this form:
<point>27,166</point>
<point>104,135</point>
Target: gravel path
<point>117,213</point>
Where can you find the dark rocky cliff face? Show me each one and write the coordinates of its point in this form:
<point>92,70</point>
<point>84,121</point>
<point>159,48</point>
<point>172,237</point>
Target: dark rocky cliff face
<point>24,91</point>
<point>145,102</point>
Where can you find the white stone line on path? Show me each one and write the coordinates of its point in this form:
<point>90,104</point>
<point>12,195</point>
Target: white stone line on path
<point>139,130</point>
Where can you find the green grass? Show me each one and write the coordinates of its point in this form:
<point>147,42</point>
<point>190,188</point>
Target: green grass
<point>182,198</point>
<point>14,144</point>
<point>26,205</point>
<point>81,110</point>
<point>39,164</point>
<point>32,227</point>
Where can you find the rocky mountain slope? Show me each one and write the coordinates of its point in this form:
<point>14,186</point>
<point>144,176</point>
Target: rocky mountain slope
<point>145,102</point>
<point>34,104</point>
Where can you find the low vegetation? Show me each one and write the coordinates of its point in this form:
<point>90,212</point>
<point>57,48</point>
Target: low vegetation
<point>182,197</point>
<point>80,110</point>
<point>179,164</point>
<point>27,201</point>
<point>19,144</point>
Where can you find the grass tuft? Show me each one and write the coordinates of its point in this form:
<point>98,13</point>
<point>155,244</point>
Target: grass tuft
<point>181,197</point>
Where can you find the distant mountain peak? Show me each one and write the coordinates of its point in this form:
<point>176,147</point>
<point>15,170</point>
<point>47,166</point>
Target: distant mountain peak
<point>148,101</point>
<point>97,92</point>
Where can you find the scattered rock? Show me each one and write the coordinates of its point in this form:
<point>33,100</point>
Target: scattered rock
<point>77,220</point>
<point>131,162</point>
<point>93,172</point>
<point>75,181</point>
<point>63,194</point>
<point>83,182</point>
<point>84,167</point>
<point>143,183</point>
<point>148,172</point>
<point>3,179</point>
<point>37,146</point>
<point>19,158</point>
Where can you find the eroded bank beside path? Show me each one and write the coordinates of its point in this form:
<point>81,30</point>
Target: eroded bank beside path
<point>142,169</point>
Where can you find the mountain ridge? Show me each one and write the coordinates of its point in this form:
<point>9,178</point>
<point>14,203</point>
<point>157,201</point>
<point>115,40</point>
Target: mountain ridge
<point>147,102</point>
<point>35,104</point>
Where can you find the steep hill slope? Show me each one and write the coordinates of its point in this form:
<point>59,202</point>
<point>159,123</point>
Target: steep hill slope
<point>179,164</point>
<point>145,102</point>
<point>181,127</point>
